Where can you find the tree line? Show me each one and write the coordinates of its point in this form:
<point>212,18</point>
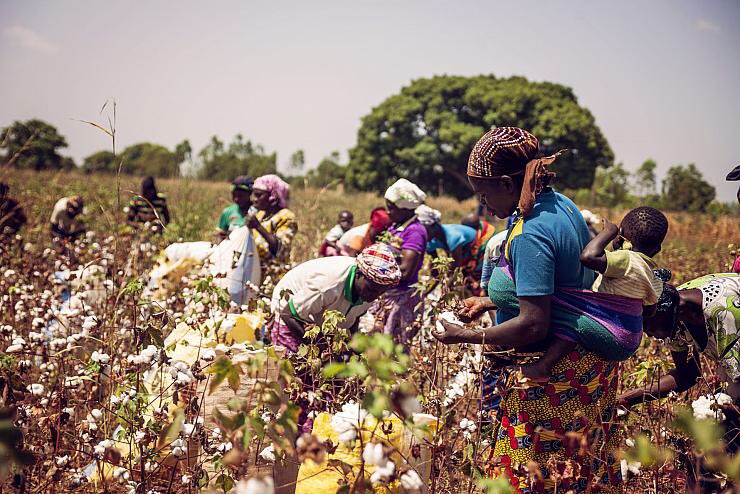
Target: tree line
<point>423,133</point>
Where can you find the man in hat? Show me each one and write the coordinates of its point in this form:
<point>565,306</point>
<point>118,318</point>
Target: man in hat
<point>344,284</point>
<point>233,216</point>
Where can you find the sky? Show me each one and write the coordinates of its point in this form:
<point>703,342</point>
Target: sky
<point>662,78</point>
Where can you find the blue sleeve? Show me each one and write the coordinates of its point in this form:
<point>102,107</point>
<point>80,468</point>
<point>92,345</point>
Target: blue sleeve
<point>533,260</point>
<point>485,275</point>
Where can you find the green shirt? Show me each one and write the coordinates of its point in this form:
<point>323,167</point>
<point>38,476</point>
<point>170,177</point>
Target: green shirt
<point>231,218</point>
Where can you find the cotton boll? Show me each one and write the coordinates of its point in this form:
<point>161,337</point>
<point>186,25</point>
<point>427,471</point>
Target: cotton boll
<point>36,389</point>
<point>374,454</point>
<point>255,485</point>
<point>411,481</point>
<point>268,454</point>
<point>383,473</point>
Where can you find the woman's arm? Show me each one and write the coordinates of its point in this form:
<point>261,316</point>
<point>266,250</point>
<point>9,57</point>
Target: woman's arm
<point>530,326</point>
<point>594,254</point>
<point>294,325</point>
<point>683,377</point>
<point>273,242</point>
<point>409,261</point>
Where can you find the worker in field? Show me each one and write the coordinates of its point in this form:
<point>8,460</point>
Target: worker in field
<point>345,284</point>
<point>398,311</point>
<point>149,207</point>
<point>273,225</point>
<point>65,222</point>
<point>12,217</point>
<point>233,216</point>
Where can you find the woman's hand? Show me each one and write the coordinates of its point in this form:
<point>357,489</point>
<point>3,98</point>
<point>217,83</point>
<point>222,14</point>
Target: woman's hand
<point>475,307</point>
<point>454,333</point>
<point>252,221</point>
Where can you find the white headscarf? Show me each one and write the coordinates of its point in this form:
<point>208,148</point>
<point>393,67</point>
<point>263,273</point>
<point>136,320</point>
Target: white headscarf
<point>428,216</point>
<point>405,194</point>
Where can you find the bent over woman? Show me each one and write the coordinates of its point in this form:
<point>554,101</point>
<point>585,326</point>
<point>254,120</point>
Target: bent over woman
<point>540,261</point>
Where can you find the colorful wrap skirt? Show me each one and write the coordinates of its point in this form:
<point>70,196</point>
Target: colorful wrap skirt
<point>566,426</point>
<point>396,312</point>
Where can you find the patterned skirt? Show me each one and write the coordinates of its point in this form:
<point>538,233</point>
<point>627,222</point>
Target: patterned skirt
<point>567,427</point>
<point>396,313</point>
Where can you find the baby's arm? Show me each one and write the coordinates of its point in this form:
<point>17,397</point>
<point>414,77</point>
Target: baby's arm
<point>594,255</point>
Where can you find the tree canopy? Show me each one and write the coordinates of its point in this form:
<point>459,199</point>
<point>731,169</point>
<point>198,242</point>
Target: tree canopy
<point>241,157</point>
<point>425,132</point>
<point>685,189</point>
<point>33,145</point>
<point>329,171</point>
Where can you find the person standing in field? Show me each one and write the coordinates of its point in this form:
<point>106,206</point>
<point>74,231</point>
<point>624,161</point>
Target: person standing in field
<point>397,311</point>
<point>232,217</point>
<point>329,246</point>
<point>64,222</point>
<point>539,262</point>
<point>273,225</point>
<point>12,217</point>
<point>149,207</point>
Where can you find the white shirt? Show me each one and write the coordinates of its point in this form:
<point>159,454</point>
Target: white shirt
<point>335,233</point>
<point>61,218</point>
<point>318,285</point>
<point>347,238</point>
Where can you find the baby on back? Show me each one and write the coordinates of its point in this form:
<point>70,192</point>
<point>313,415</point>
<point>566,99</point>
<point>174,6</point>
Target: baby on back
<point>626,271</point>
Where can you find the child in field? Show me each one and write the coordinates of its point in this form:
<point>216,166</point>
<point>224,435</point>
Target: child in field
<point>329,246</point>
<point>627,271</point>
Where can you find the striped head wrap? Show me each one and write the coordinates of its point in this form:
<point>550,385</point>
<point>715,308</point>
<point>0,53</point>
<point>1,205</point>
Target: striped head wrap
<point>511,151</point>
<point>379,265</point>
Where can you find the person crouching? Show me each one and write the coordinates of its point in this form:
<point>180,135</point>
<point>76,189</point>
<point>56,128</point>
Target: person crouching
<point>345,284</point>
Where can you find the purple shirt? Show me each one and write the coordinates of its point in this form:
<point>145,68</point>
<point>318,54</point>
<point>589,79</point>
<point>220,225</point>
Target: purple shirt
<point>413,237</point>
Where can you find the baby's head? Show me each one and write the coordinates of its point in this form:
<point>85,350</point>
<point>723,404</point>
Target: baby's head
<point>346,219</point>
<point>645,228</point>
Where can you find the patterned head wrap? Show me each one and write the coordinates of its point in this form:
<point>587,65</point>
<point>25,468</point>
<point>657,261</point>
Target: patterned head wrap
<point>242,182</point>
<point>379,265</point>
<point>511,151</point>
<point>279,190</point>
<point>428,216</point>
<point>405,194</point>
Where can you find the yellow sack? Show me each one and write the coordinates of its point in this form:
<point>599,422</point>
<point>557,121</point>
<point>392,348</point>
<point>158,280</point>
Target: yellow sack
<point>316,478</point>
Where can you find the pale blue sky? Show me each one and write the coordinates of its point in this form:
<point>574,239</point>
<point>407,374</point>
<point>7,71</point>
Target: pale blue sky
<point>661,77</point>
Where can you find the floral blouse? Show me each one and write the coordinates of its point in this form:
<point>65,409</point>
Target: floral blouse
<point>284,226</point>
<point>721,305</point>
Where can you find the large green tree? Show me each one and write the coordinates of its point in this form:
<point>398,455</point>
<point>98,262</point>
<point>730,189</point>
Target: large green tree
<point>146,158</point>
<point>241,157</point>
<point>611,185</point>
<point>100,162</point>
<point>645,180</point>
<point>425,133</point>
<point>33,145</point>
<point>685,189</point>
